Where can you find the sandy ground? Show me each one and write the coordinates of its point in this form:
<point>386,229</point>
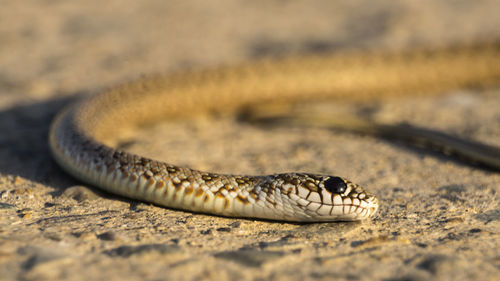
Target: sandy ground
<point>439,219</point>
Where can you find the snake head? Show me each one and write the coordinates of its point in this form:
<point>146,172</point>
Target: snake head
<point>327,198</point>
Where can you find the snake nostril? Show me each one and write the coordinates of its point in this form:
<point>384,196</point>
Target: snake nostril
<point>335,185</point>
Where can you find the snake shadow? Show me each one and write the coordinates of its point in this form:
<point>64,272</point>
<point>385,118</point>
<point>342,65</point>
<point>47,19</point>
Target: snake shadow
<point>24,150</point>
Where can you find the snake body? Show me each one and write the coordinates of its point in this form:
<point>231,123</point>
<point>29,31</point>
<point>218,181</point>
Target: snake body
<point>81,134</point>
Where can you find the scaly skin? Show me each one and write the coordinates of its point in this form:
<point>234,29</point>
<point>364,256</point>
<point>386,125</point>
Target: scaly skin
<point>80,135</point>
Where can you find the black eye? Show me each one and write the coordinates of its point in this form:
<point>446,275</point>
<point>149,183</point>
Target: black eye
<point>335,185</point>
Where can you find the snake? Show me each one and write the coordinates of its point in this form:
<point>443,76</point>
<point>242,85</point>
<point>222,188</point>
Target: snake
<point>81,135</point>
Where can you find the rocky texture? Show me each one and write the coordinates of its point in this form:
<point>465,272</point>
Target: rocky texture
<point>439,219</point>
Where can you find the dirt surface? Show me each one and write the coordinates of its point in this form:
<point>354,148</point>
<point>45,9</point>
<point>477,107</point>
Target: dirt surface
<point>439,218</point>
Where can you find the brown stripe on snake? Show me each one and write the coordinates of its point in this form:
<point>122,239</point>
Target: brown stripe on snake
<point>80,136</point>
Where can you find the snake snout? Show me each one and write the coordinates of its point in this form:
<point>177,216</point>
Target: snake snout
<point>372,205</point>
<point>330,198</point>
<point>363,203</point>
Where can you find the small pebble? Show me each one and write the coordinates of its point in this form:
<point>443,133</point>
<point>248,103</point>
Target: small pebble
<point>224,229</point>
<point>250,257</point>
<point>127,251</point>
<point>26,215</point>
<point>22,191</point>
<point>85,236</point>
<point>80,193</point>
<point>18,180</point>
<point>108,236</point>
<point>235,224</point>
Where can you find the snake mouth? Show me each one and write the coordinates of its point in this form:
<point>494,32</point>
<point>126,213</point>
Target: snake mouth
<point>355,208</point>
<point>373,209</point>
<point>349,209</point>
<point>372,206</point>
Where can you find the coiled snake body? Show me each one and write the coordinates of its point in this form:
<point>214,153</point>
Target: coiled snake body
<point>79,134</point>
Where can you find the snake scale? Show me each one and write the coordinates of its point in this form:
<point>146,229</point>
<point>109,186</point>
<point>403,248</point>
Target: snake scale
<point>80,135</point>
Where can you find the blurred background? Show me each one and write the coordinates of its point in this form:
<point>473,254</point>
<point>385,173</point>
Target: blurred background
<point>438,218</point>
<point>50,48</point>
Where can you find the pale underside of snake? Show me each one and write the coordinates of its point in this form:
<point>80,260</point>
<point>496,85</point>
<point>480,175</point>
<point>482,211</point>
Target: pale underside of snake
<point>80,134</point>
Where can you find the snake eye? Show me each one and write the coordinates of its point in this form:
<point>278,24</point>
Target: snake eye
<point>335,185</point>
